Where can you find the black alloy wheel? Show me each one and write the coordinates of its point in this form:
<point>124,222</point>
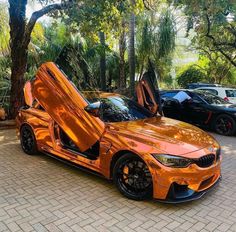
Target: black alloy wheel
<point>225,125</point>
<point>28,142</point>
<point>132,177</point>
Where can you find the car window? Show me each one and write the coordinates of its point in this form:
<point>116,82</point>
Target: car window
<point>168,94</point>
<point>211,98</point>
<point>213,91</point>
<point>37,106</point>
<point>230,93</point>
<point>195,97</point>
<point>118,109</point>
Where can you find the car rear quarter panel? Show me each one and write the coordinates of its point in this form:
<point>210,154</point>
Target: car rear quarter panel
<point>40,122</point>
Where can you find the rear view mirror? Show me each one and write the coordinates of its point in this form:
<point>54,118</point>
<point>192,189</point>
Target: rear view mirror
<point>93,109</point>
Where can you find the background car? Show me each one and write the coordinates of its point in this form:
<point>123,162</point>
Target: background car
<point>199,84</point>
<point>204,109</point>
<point>228,94</point>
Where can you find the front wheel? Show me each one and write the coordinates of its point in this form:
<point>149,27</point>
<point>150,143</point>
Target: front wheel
<point>225,125</point>
<point>132,177</point>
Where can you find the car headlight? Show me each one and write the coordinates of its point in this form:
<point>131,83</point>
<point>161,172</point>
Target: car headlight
<point>172,161</point>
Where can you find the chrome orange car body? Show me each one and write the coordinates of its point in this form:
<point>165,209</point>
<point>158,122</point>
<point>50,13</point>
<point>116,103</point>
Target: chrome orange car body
<point>145,96</point>
<point>65,105</point>
<point>63,108</point>
<point>29,99</point>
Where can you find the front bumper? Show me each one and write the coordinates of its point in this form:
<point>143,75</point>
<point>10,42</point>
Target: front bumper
<point>176,185</point>
<point>186,195</point>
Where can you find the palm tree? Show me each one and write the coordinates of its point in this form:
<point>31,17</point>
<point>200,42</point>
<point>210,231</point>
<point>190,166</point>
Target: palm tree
<point>122,48</point>
<point>132,50</point>
<point>102,61</point>
<point>155,41</point>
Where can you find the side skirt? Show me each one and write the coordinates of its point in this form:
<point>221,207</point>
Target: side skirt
<point>72,164</point>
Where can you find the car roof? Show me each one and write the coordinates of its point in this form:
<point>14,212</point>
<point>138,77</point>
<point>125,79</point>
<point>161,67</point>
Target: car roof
<point>178,90</point>
<point>210,87</point>
<point>174,90</point>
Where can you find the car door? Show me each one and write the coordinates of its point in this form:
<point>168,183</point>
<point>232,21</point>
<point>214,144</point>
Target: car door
<point>147,95</point>
<point>65,104</point>
<point>39,119</point>
<point>195,111</point>
<point>28,94</point>
<point>171,107</point>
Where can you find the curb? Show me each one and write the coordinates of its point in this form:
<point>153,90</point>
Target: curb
<point>7,124</point>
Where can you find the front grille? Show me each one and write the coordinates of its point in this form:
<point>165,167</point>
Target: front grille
<point>205,161</point>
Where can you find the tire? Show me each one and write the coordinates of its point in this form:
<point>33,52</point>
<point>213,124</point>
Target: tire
<point>28,141</point>
<point>132,177</point>
<point>224,125</point>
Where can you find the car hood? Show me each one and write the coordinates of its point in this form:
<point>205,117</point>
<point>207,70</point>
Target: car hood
<point>167,135</point>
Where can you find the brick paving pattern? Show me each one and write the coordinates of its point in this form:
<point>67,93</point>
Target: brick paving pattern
<point>38,193</point>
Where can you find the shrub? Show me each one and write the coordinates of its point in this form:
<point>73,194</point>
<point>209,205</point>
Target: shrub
<point>190,75</point>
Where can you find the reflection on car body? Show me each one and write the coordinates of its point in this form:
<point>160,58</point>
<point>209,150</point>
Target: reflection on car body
<point>146,155</point>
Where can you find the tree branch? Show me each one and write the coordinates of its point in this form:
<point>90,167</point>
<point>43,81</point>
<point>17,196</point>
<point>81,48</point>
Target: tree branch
<point>38,14</point>
<point>217,45</point>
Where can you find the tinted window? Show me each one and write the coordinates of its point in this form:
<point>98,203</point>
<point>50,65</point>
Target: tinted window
<point>211,98</point>
<point>213,91</point>
<point>195,97</point>
<point>230,93</point>
<point>36,105</point>
<point>168,94</point>
<point>117,109</point>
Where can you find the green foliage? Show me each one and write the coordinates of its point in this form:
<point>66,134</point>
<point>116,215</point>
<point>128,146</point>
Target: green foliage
<point>190,75</point>
<point>166,35</point>
<point>156,40</point>
<point>4,30</point>
<point>214,23</point>
<point>217,70</point>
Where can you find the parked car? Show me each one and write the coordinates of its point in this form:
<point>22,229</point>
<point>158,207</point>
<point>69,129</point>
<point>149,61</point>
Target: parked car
<point>228,94</point>
<point>199,84</point>
<point>146,155</point>
<point>204,110</point>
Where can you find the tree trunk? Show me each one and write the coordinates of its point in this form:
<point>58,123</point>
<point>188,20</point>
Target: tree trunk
<point>20,33</point>
<point>18,47</point>
<point>102,62</point>
<point>122,48</point>
<point>132,53</point>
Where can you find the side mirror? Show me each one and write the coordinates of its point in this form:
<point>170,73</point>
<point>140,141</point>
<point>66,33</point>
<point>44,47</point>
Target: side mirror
<point>93,109</point>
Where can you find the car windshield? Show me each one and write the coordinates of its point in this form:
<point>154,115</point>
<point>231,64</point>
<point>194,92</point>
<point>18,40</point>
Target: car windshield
<point>211,98</point>
<point>118,109</point>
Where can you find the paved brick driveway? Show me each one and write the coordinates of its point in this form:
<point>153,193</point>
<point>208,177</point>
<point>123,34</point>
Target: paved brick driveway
<point>41,194</point>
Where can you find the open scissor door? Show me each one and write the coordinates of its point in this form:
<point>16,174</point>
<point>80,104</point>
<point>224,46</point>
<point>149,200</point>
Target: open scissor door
<point>65,104</point>
<point>29,99</point>
<point>147,94</point>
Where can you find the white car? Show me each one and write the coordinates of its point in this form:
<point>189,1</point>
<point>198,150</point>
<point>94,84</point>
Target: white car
<point>228,94</point>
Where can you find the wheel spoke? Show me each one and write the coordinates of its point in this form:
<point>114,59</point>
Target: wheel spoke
<point>134,177</point>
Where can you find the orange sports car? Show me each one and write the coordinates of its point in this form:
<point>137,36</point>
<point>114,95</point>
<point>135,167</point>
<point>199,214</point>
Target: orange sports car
<point>146,155</point>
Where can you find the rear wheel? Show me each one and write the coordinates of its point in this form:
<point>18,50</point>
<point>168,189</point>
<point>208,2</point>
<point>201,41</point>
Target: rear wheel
<point>132,177</point>
<point>28,141</point>
<point>225,125</point>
